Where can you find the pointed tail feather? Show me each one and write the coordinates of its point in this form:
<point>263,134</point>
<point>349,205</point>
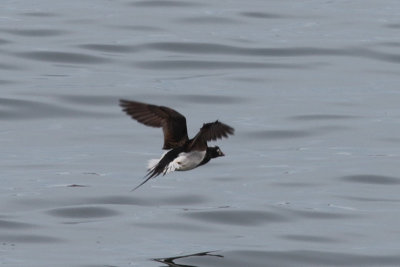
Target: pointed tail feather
<point>142,183</point>
<point>153,172</point>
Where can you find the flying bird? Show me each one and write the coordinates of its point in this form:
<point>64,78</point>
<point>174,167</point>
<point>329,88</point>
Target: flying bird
<point>184,154</point>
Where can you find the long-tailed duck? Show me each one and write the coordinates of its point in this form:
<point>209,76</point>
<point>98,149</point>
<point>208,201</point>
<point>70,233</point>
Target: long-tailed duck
<point>184,153</point>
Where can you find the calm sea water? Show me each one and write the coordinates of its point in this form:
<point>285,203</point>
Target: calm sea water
<point>311,177</point>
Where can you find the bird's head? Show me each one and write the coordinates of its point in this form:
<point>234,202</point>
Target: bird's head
<point>216,152</point>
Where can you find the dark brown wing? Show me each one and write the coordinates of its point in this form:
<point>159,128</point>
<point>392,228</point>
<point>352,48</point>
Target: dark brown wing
<point>172,122</point>
<point>210,131</point>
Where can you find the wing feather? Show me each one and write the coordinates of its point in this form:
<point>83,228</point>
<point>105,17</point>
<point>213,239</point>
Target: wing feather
<point>172,122</point>
<point>211,132</point>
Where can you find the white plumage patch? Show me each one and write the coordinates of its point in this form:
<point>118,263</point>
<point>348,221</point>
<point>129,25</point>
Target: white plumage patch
<point>153,162</point>
<point>184,161</point>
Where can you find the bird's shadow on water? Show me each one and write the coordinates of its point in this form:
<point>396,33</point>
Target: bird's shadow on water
<point>171,260</point>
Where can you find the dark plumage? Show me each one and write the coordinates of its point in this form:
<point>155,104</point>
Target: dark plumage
<point>185,153</point>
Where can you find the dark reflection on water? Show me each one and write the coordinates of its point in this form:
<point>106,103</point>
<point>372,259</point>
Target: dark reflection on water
<point>393,25</point>
<point>210,48</point>
<point>63,57</point>
<point>209,65</point>
<point>3,41</point>
<point>237,217</point>
<point>164,3</point>
<point>4,82</point>
<point>322,215</point>
<point>83,212</point>
<point>5,224</point>
<point>295,184</point>
<point>371,179</point>
<point>9,67</point>
<point>176,226</point>
<point>117,200</point>
<point>27,238</point>
<point>151,201</point>
<point>35,32</point>
<point>109,48</point>
<point>207,20</point>
<point>262,15</point>
<point>371,199</point>
<point>137,27</point>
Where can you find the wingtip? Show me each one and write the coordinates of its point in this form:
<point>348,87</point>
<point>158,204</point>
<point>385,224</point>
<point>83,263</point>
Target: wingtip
<point>122,102</point>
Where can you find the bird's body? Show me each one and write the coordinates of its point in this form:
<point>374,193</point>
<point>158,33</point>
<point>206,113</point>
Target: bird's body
<point>184,154</point>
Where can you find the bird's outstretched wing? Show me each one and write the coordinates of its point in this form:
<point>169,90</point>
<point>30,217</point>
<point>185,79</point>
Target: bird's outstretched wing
<point>172,122</point>
<point>210,131</point>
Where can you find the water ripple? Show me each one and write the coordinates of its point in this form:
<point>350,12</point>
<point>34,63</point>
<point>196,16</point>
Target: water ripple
<point>322,215</point>
<point>109,48</point>
<point>83,212</point>
<point>35,32</point>
<point>93,100</point>
<point>312,117</point>
<point>4,82</point>
<point>4,41</point>
<point>259,258</point>
<point>63,57</point>
<point>280,134</point>
<point>310,238</point>
<point>128,200</point>
<point>207,20</point>
<point>164,3</point>
<point>371,179</point>
<point>261,15</point>
<point>393,25</point>
<point>39,14</point>
<point>176,226</point>
<point>27,238</point>
<point>5,224</point>
<point>211,48</point>
<point>9,67</point>
<point>209,99</point>
<point>237,217</point>
<point>209,65</point>
<point>25,109</point>
<point>309,258</point>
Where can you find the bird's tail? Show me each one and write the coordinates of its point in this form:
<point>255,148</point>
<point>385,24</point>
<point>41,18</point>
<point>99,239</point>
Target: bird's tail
<point>142,183</point>
<point>154,169</point>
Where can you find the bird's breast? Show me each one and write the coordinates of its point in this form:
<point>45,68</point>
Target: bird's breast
<point>188,160</point>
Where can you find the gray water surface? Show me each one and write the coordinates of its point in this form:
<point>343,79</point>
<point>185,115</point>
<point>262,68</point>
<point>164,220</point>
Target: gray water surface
<point>311,177</point>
